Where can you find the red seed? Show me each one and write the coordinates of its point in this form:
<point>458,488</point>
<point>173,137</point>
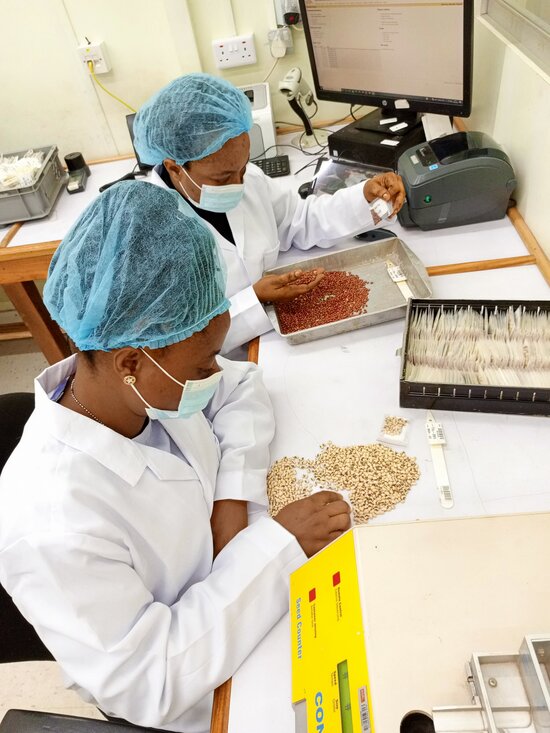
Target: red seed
<point>339,295</point>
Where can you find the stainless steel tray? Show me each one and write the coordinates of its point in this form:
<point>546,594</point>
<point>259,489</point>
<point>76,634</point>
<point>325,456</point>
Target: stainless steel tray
<point>386,303</point>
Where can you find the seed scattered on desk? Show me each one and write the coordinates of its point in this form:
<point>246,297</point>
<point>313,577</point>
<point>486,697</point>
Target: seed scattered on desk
<point>393,425</point>
<point>376,477</point>
<point>339,295</point>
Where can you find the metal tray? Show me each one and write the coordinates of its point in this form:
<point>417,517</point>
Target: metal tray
<point>386,303</point>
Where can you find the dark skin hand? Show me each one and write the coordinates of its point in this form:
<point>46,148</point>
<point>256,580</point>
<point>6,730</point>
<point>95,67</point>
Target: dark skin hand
<point>388,186</point>
<point>278,288</point>
<point>229,516</point>
<point>316,520</point>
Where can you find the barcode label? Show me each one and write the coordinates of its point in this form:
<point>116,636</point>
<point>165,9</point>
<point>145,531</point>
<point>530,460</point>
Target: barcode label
<point>364,710</point>
<point>396,274</point>
<point>446,493</point>
<point>434,431</point>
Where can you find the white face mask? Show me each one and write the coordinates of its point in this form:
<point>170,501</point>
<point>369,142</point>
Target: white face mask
<point>196,394</point>
<point>219,199</point>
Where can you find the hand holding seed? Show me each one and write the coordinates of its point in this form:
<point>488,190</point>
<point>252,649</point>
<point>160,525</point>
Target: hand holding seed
<point>276,288</point>
<point>388,186</point>
<point>316,520</point>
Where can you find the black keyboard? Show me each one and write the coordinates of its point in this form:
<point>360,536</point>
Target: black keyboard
<point>273,167</point>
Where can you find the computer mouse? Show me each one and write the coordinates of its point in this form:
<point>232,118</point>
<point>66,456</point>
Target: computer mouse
<point>375,235</point>
<point>305,189</point>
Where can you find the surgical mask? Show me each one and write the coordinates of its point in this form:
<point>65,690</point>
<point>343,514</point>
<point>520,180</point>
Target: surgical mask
<point>196,394</point>
<point>217,198</point>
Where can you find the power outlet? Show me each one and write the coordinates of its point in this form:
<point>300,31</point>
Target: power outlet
<point>236,51</point>
<point>96,52</point>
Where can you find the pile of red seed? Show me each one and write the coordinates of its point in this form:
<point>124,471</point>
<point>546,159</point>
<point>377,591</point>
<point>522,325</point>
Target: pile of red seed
<point>339,295</point>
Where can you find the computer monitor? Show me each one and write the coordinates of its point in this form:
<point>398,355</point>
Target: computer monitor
<point>400,55</point>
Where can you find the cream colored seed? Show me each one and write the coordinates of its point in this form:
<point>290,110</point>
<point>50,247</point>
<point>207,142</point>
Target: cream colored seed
<point>376,477</point>
<point>394,425</point>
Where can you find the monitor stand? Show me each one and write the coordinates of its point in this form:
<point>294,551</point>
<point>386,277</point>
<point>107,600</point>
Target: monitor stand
<point>382,120</point>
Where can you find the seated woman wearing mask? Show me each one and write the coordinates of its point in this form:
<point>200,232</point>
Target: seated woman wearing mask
<point>121,507</point>
<point>195,131</point>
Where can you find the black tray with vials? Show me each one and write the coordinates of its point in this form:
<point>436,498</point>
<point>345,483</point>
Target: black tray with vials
<point>518,400</point>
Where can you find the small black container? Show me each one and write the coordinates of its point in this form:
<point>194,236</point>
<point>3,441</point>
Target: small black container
<point>76,162</point>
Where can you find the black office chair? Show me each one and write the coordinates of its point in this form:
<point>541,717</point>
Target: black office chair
<point>22,644</point>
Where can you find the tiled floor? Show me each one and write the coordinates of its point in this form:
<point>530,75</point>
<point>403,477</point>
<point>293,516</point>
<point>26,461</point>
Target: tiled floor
<point>38,686</point>
<point>20,362</point>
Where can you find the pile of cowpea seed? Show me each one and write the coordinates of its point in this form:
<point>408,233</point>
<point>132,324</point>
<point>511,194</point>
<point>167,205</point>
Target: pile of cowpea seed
<point>394,425</point>
<point>376,477</point>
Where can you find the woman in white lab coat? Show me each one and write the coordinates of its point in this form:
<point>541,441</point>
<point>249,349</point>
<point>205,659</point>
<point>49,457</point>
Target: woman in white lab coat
<point>133,530</point>
<point>195,131</point>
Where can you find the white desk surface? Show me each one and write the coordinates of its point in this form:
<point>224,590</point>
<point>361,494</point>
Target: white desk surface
<point>339,389</point>
<point>68,207</point>
<point>485,241</point>
<point>491,240</point>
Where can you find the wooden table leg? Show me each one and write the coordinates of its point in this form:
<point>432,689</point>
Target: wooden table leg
<point>220,708</point>
<point>28,303</point>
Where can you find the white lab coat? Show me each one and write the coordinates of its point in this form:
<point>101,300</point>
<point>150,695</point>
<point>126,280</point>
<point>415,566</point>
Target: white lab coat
<point>271,218</point>
<point>106,547</point>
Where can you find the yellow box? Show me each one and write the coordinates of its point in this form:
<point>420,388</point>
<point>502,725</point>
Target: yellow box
<point>329,661</point>
<point>384,618</point>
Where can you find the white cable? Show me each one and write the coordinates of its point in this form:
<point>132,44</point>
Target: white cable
<point>270,71</point>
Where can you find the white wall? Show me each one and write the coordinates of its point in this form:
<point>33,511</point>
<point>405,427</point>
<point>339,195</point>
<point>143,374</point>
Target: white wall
<point>214,19</point>
<point>47,97</point>
<point>512,103</point>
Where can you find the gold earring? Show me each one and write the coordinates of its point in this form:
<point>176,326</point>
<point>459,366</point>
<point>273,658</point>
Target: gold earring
<point>129,379</point>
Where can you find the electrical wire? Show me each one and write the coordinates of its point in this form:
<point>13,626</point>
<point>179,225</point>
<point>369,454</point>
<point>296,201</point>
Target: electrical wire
<point>321,145</point>
<point>288,124</point>
<point>270,71</point>
<point>311,162</point>
<point>327,124</point>
<point>114,96</point>
<point>285,145</point>
<point>316,109</point>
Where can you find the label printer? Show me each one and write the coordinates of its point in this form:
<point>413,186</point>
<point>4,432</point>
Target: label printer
<point>457,179</point>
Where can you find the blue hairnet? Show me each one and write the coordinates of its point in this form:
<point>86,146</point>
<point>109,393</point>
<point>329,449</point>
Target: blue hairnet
<point>190,118</point>
<point>138,268</point>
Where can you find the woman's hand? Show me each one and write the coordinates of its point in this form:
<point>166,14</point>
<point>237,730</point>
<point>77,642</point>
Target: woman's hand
<point>387,186</point>
<point>274,288</point>
<point>316,520</point>
<point>229,516</point>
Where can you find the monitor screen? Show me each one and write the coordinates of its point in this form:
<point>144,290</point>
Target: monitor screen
<point>394,54</point>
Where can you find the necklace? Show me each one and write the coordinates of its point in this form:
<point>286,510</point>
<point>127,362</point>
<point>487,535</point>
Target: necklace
<point>91,414</point>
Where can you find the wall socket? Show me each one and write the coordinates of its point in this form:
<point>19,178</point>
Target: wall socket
<point>96,52</point>
<point>236,51</point>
